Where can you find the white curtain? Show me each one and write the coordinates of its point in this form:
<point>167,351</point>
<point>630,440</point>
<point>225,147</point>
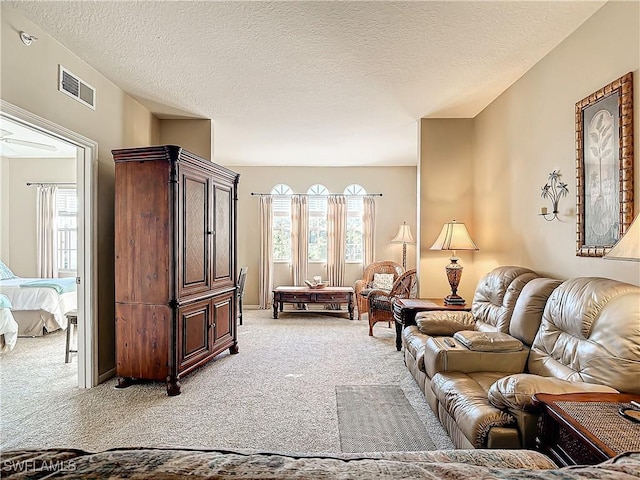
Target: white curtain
<point>369,230</point>
<point>299,237</point>
<point>266,251</point>
<point>336,238</point>
<point>46,231</point>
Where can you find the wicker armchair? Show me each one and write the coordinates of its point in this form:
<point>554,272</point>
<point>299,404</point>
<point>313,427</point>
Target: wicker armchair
<point>381,302</point>
<point>366,283</point>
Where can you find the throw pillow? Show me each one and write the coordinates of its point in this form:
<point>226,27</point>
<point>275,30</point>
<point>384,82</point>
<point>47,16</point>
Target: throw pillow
<point>383,281</point>
<point>4,301</point>
<point>5,272</point>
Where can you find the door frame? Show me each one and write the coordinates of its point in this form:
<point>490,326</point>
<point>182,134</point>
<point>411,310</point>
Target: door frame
<point>86,171</point>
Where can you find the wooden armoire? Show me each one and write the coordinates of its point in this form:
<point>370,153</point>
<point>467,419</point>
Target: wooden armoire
<point>175,263</point>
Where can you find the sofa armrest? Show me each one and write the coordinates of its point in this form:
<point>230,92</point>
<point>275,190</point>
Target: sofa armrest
<point>446,354</point>
<point>444,323</point>
<point>514,392</point>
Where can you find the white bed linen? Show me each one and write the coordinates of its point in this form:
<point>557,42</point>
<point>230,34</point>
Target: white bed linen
<point>8,329</point>
<point>47,299</point>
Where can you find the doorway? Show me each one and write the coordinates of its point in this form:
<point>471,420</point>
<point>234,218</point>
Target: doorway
<point>45,133</point>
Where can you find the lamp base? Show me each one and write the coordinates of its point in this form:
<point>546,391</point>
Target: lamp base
<point>454,300</point>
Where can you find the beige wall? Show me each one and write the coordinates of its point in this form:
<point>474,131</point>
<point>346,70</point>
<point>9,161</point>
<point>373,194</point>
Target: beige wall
<point>398,204</point>
<point>29,80</point>
<point>446,155</point>
<point>18,215</point>
<point>527,132</point>
<point>192,135</point>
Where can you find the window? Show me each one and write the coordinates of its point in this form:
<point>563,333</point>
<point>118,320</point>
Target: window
<point>355,224</point>
<point>281,222</point>
<point>67,229</point>
<point>317,223</point>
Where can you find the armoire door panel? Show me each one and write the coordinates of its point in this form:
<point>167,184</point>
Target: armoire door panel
<point>194,322</point>
<point>142,225</point>
<point>194,231</point>
<point>223,238</point>
<point>224,316</point>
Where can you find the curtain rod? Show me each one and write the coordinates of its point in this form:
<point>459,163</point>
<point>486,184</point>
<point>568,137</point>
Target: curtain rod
<point>50,183</point>
<point>314,195</point>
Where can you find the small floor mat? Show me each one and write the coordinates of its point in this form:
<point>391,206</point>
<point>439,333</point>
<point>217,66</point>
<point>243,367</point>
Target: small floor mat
<point>379,418</point>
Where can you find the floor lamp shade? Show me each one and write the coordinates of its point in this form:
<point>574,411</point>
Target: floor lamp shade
<point>404,236</point>
<point>454,236</point>
<point>628,247</point>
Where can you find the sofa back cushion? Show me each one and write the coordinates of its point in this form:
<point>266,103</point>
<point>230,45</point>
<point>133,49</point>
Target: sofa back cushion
<point>590,332</point>
<point>527,313</point>
<point>495,297</point>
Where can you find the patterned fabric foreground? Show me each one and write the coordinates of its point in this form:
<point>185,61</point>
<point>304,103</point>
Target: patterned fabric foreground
<point>161,464</point>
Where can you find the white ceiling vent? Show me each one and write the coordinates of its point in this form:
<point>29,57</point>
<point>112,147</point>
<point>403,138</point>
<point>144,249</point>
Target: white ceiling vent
<point>74,87</point>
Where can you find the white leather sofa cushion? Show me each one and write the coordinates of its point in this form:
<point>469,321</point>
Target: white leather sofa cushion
<point>488,341</point>
<point>527,313</point>
<point>496,295</point>
<point>443,322</point>
<point>590,332</point>
<point>516,391</point>
<point>464,397</point>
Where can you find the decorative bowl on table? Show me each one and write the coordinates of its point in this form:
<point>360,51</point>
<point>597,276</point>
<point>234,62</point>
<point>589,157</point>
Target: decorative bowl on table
<point>316,284</point>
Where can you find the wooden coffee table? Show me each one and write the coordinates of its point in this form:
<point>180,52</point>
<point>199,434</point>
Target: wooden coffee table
<point>405,310</point>
<point>299,295</point>
<point>585,428</point>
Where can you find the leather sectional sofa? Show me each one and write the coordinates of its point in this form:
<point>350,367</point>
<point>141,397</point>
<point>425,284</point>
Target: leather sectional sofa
<point>525,334</point>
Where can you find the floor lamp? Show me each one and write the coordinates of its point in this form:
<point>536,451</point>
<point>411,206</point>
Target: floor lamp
<point>454,236</point>
<point>404,237</point>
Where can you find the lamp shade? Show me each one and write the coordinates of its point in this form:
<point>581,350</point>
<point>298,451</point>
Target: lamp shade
<point>454,236</point>
<point>628,247</point>
<point>404,235</point>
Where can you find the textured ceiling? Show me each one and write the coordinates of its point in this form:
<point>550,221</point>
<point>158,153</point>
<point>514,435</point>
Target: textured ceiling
<point>312,83</point>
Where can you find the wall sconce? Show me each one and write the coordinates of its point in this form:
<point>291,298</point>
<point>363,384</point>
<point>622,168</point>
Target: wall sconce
<point>555,190</point>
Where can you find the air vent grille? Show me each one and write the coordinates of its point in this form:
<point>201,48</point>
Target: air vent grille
<point>73,86</point>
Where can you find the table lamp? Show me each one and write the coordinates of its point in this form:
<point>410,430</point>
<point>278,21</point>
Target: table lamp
<point>454,236</point>
<point>628,247</point>
<point>404,236</point>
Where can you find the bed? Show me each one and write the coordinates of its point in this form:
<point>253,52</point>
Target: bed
<point>8,325</point>
<point>39,305</point>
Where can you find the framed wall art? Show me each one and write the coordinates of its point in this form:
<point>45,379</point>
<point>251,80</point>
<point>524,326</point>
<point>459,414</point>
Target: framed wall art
<point>604,166</point>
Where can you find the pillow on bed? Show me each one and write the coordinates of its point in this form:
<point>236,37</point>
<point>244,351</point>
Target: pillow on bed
<point>5,272</point>
<point>4,301</point>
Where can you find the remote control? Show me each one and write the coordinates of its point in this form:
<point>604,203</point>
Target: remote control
<point>450,342</point>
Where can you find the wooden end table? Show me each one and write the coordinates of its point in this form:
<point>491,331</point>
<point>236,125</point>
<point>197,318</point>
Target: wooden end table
<point>299,295</point>
<point>585,428</point>
<point>405,310</point>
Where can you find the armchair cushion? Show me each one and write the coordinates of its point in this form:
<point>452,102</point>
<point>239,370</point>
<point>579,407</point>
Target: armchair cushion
<point>444,323</point>
<point>515,391</point>
<point>383,281</point>
<point>488,341</point>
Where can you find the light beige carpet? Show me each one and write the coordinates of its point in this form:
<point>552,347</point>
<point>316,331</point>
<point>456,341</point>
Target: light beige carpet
<point>278,393</point>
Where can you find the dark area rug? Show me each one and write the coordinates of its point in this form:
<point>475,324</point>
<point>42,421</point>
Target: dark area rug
<point>379,418</point>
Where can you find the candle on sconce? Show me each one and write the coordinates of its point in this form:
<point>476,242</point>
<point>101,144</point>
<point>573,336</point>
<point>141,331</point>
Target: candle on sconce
<point>543,210</point>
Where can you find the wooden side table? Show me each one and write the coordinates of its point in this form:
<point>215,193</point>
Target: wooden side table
<point>585,428</point>
<point>405,310</point>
